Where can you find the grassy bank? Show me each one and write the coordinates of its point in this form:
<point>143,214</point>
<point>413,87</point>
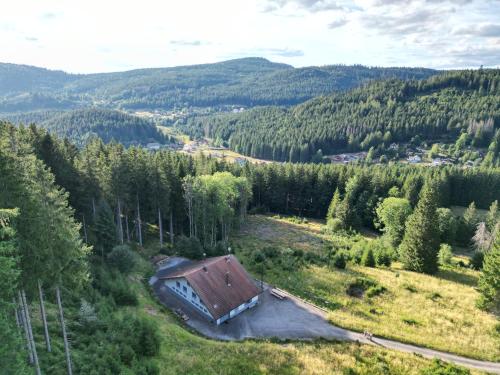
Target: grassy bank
<point>433,311</point>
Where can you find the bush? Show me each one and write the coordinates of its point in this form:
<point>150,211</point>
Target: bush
<point>139,333</point>
<point>442,368</point>
<point>383,257</point>
<point>477,260</point>
<point>334,225</point>
<point>368,259</point>
<point>358,287</point>
<point>445,254</point>
<point>122,258</point>
<point>375,290</point>
<point>339,260</point>
<point>259,257</point>
<point>270,252</point>
<point>190,247</point>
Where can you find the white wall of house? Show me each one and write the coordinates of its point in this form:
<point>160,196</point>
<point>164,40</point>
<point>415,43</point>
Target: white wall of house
<point>182,288</point>
<point>247,305</point>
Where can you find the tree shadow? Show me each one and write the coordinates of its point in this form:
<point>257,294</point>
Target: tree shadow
<point>457,277</point>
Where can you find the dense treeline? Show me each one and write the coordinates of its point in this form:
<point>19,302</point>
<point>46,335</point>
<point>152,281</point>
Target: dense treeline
<point>133,176</point>
<point>375,115</point>
<point>120,198</point>
<point>241,82</point>
<point>79,126</point>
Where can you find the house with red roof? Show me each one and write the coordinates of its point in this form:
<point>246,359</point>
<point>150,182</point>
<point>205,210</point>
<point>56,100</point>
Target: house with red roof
<point>220,288</point>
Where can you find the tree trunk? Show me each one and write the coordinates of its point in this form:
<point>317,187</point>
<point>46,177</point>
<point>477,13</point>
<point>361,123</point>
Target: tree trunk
<point>160,226</point>
<point>93,209</point>
<point>30,333</point>
<point>139,227</point>
<point>22,314</point>
<point>16,313</point>
<point>63,326</point>
<point>171,228</point>
<point>119,225</point>
<point>44,317</point>
<point>126,228</point>
<point>85,230</point>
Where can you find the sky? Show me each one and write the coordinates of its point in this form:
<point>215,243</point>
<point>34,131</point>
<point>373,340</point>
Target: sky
<point>86,36</point>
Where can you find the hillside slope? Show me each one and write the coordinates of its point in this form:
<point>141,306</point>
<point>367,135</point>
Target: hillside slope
<point>81,125</point>
<point>242,82</point>
<point>377,114</point>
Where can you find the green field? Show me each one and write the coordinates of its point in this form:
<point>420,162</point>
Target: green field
<point>433,311</point>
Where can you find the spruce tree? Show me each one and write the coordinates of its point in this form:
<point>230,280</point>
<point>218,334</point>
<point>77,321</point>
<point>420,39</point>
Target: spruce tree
<point>489,281</point>
<point>420,246</point>
<point>104,229</point>
<point>334,204</point>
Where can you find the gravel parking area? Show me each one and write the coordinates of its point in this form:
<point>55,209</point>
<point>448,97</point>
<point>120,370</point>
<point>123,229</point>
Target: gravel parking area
<point>285,319</point>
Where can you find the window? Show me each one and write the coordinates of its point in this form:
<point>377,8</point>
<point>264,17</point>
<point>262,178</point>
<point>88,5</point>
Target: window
<point>184,288</point>
<point>193,295</point>
<point>177,284</point>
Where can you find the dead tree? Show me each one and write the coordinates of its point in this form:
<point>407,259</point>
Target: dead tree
<point>24,323</point>
<point>119,225</point>
<point>44,317</point>
<point>65,336</point>
<point>139,227</point>
<point>126,228</point>
<point>16,313</point>
<point>160,227</point>
<point>171,228</point>
<point>93,209</point>
<point>85,230</point>
<point>30,334</point>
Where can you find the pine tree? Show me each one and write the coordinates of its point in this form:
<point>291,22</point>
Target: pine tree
<point>489,281</point>
<point>104,229</point>
<point>334,204</point>
<point>420,246</point>
<point>492,216</point>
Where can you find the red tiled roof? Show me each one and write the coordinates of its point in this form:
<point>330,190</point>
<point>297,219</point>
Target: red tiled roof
<point>221,283</point>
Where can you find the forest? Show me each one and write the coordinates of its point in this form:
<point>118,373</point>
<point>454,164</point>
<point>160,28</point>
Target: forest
<point>70,218</point>
<point>242,82</point>
<point>79,126</point>
<point>442,107</point>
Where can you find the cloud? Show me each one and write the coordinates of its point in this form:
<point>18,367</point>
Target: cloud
<point>187,43</point>
<point>309,5</point>
<point>414,22</point>
<point>338,23</point>
<point>284,52</point>
<point>49,16</point>
<point>485,30</point>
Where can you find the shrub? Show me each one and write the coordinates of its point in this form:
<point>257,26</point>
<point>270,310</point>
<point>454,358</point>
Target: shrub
<point>298,253</point>
<point>270,252</point>
<point>383,257</point>
<point>477,260</point>
<point>190,247</point>
<point>375,290</point>
<point>442,368</point>
<point>339,260</point>
<point>139,333</point>
<point>358,287</point>
<point>334,225</point>
<point>368,259</point>
<point>122,258</point>
<point>445,254</point>
<point>259,257</point>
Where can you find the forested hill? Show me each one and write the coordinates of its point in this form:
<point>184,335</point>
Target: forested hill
<point>81,125</point>
<point>242,82</point>
<point>374,115</point>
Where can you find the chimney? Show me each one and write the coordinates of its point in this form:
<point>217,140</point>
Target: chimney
<point>228,259</point>
<point>205,268</point>
<point>228,282</point>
